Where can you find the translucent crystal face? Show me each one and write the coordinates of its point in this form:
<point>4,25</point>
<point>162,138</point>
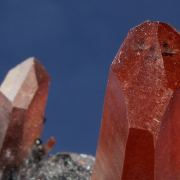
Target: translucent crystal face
<point>20,84</point>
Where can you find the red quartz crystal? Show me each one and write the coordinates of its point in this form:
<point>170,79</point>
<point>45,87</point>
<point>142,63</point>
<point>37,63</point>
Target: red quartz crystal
<point>49,145</point>
<point>23,96</point>
<point>140,132</point>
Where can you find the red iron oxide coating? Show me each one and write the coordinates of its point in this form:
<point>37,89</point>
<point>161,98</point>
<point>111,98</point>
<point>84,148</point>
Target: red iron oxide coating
<point>140,131</point>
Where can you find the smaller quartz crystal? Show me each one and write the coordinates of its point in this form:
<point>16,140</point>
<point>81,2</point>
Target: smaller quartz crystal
<point>23,95</point>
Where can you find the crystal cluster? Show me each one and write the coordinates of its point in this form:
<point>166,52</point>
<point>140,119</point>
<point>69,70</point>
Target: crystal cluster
<point>140,133</point>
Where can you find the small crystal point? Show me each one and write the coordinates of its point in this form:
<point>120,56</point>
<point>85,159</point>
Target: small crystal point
<point>26,89</point>
<point>143,79</point>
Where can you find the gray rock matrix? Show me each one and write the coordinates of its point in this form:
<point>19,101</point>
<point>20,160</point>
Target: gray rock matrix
<point>62,166</point>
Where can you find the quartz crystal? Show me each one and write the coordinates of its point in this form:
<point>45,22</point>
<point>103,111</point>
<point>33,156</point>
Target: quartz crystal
<point>23,155</point>
<point>140,132</point>
<point>23,96</point>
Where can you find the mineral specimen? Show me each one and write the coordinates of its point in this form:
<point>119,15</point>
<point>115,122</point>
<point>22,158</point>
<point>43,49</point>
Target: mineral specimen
<point>23,156</point>
<point>23,96</point>
<point>140,132</point>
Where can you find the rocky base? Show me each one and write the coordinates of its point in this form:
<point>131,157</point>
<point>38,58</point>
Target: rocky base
<point>62,166</point>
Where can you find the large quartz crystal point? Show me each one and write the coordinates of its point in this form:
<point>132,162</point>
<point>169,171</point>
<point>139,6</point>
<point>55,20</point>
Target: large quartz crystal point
<point>25,90</point>
<point>140,131</point>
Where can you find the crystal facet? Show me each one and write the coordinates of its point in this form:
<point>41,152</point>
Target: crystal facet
<point>23,96</point>
<point>140,132</point>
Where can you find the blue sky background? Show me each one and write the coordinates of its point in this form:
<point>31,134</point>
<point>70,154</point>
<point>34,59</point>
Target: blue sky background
<point>76,41</point>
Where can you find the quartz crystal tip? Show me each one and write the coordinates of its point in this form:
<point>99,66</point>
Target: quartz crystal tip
<point>24,94</point>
